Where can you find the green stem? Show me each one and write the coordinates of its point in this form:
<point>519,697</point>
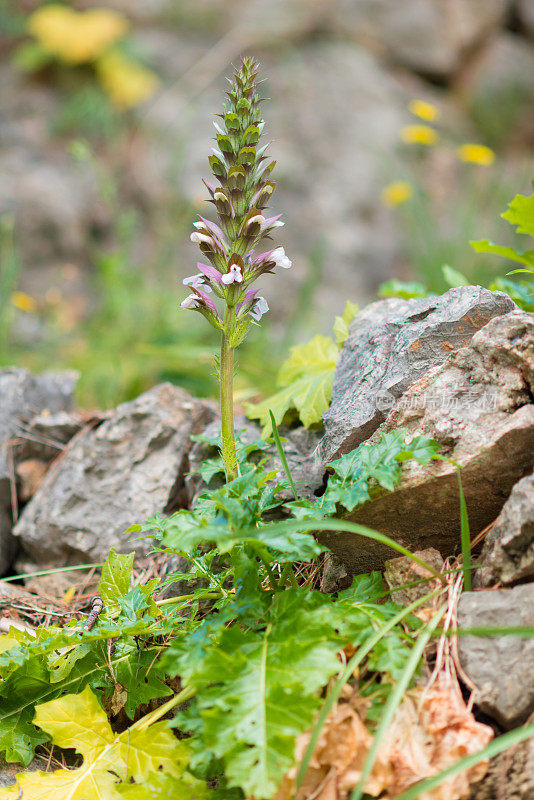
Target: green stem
<point>183,598</point>
<point>149,719</point>
<point>226,379</point>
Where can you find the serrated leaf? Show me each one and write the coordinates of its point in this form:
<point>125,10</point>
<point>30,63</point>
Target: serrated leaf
<point>115,581</point>
<point>26,678</point>
<point>140,678</point>
<point>257,690</point>
<point>77,721</point>
<point>354,473</point>
<point>306,378</point>
<point>521,213</point>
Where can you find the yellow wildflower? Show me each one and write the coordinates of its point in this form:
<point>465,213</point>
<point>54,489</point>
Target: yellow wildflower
<point>476,154</point>
<point>76,37</point>
<point>419,134</point>
<point>424,110</point>
<point>126,82</point>
<point>24,302</point>
<point>396,193</point>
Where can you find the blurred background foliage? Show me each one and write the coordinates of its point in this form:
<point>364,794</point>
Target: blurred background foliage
<point>399,137</point>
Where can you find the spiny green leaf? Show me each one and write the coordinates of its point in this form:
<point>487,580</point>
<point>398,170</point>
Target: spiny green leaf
<point>115,581</point>
<point>355,472</point>
<point>521,213</point>
<point>257,690</point>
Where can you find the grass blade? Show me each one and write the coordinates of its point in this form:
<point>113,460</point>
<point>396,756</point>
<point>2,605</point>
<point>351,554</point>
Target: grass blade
<point>283,459</point>
<point>492,749</point>
<point>395,698</point>
<point>465,535</point>
<point>51,571</point>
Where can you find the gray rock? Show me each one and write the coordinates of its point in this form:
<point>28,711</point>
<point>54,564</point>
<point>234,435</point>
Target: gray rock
<point>52,199</point>
<point>116,474</point>
<point>501,667</point>
<point>501,76</point>
<point>510,775</point>
<point>46,435</point>
<point>8,543</point>
<point>479,407</point>
<point>525,10</point>
<point>400,572</point>
<point>429,36</point>
<point>22,397</point>
<point>393,343</point>
<point>508,551</point>
<point>334,575</point>
<point>9,771</point>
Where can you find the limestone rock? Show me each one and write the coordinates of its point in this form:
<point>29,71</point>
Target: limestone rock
<point>127,468</point>
<point>402,571</point>
<point>525,10</point>
<point>22,396</point>
<point>510,775</point>
<point>508,552</point>
<point>393,343</point>
<point>501,667</point>
<point>479,407</point>
<point>8,544</point>
<point>428,36</point>
<point>501,77</point>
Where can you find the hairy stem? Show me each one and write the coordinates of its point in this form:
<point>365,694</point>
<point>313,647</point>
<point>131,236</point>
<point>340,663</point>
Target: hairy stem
<point>226,378</point>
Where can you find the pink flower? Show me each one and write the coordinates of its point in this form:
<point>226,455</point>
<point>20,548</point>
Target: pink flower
<point>210,272</point>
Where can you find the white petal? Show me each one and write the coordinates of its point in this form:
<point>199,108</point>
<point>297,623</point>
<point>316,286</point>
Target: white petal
<point>200,238</point>
<point>191,301</point>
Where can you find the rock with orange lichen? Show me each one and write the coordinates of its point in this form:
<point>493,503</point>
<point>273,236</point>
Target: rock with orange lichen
<point>393,343</point>
<point>479,407</point>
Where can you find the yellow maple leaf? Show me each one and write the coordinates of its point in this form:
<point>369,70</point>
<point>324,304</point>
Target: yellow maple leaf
<point>77,721</point>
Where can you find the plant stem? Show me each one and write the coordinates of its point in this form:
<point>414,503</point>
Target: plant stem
<point>149,719</point>
<point>226,378</point>
<point>183,598</point>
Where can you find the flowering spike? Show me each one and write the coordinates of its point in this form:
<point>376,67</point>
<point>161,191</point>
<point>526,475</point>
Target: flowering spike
<point>240,192</point>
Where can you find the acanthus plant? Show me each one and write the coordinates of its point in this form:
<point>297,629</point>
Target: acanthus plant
<point>241,195</point>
